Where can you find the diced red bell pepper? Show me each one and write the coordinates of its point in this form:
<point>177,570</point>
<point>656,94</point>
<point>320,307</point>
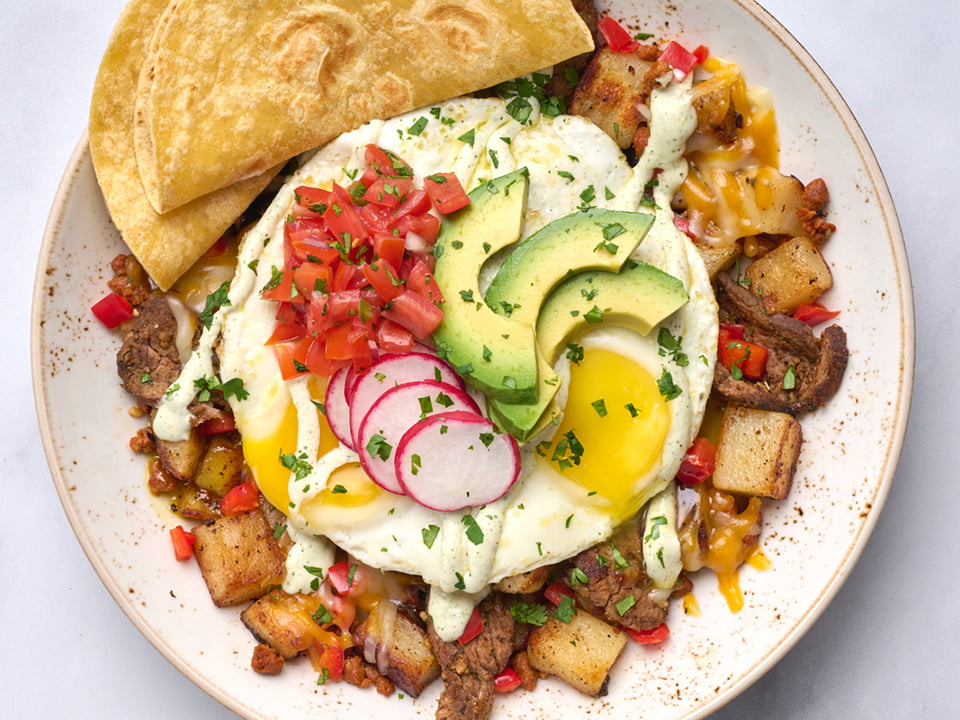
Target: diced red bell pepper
<point>735,354</point>
<point>556,591</point>
<point>814,313</point>
<point>618,39</point>
<point>474,627</point>
<point>343,577</point>
<point>112,310</point>
<point>649,637</point>
<point>699,462</point>
<point>446,193</point>
<point>242,498</point>
<point>679,58</point>
<point>217,425</point>
<point>183,543</point>
<point>327,658</point>
<point>507,680</point>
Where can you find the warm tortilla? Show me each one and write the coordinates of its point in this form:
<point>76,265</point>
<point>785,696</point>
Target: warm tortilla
<point>235,86</point>
<point>166,245</point>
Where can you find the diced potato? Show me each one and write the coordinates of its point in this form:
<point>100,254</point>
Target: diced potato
<point>718,259</point>
<point>220,467</point>
<point>238,557</point>
<point>775,199</point>
<point>581,652</point>
<point>280,620</point>
<point>757,452</point>
<point>790,275</point>
<point>522,583</point>
<point>609,92</point>
<point>192,503</point>
<point>410,662</point>
<point>181,458</point>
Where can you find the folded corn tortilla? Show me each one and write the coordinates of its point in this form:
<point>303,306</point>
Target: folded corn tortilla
<point>166,245</point>
<point>233,87</point>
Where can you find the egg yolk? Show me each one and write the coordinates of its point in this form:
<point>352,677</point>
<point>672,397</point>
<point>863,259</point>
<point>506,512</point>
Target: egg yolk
<point>620,419</point>
<point>263,453</point>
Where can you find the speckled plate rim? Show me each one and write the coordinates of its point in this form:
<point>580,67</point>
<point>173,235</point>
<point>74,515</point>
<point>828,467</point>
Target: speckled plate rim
<point>898,397</point>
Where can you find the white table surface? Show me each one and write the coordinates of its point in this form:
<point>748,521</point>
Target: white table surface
<point>888,644</point>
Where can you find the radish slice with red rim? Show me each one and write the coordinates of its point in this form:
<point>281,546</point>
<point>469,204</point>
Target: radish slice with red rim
<point>454,460</point>
<point>336,408</point>
<point>390,371</point>
<point>394,412</point>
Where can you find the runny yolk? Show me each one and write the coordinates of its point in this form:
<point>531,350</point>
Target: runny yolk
<point>263,453</point>
<point>619,417</point>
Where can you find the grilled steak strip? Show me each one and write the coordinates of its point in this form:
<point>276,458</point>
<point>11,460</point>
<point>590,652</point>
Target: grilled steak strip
<point>148,360</point>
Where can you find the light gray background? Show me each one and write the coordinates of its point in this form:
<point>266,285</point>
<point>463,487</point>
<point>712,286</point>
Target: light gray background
<point>886,647</point>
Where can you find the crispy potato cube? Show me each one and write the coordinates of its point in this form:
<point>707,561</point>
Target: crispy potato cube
<point>281,621</point>
<point>219,469</point>
<point>774,199</point>
<point>609,92</point>
<point>238,557</point>
<point>410,662</point>
<point>181,458</point>
<point>718,259</point>
<point>757,452</point>
<point>792,274</point>
<point>580,652</point>
<point>522,583</point>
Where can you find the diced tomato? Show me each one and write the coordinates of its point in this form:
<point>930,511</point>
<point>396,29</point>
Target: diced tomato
<point>415,313</point>
<point>310,201</point>
<point>507,680</point>
<point>389,248</point>
<point>344,342</point>
<point>242,498</point>
<point>417,203</point>
<point>347,276</point>
<point>649,637</point>
<point>393,337</point>
<point>217,425</point>
<point>474,627</point>
<point>556,591</point>
<point>390,192</point>
<point>618,39</point>
<point>342,220</point>
<point>112,310</point>
<point>384,279</point>
<point>814,313</point>
<point>317,361</point>
<point>426,227</point>
<point>284,331</point>
<point>183,543</point>
<point>386,163</point>
<point>292,356</point>
<point>734,352</point>
<point>679,58</point>
<point>327,658</point>
<point>344,577</point>
<point>699,462</point>
<point>420,280</point>
<point>312,277</point>
<point>377,217</point>
<point>282,289</point>
<point>446,193</point>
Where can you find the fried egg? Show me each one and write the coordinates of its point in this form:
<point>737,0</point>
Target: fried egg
<point>633,433</point>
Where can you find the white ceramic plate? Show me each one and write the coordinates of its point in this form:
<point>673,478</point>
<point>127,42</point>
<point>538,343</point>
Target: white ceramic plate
<point>814,538</point>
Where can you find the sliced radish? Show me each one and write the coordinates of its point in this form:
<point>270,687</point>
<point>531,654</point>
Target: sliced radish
<point>393,414</point>
<point>455,460</point>
<point>336,407</point>
<point>388,372</point>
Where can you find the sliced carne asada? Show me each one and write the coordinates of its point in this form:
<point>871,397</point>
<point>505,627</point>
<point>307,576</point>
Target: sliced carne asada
<point>468,669</point>
<point>148,360</point>
<point>817,364</point>
<point>617,588</point>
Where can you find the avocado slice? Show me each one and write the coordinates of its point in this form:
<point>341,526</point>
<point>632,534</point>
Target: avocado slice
<point>595,239</point>
<point>640,297</point>
<point>494,353</point>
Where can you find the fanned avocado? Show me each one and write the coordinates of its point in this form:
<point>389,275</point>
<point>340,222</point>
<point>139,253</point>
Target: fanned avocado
<point>495,353</point>
<point>595,239</point>
<point>640,297</point>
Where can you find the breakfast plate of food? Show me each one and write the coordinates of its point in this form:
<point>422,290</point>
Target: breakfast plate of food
<point>470,357</point>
